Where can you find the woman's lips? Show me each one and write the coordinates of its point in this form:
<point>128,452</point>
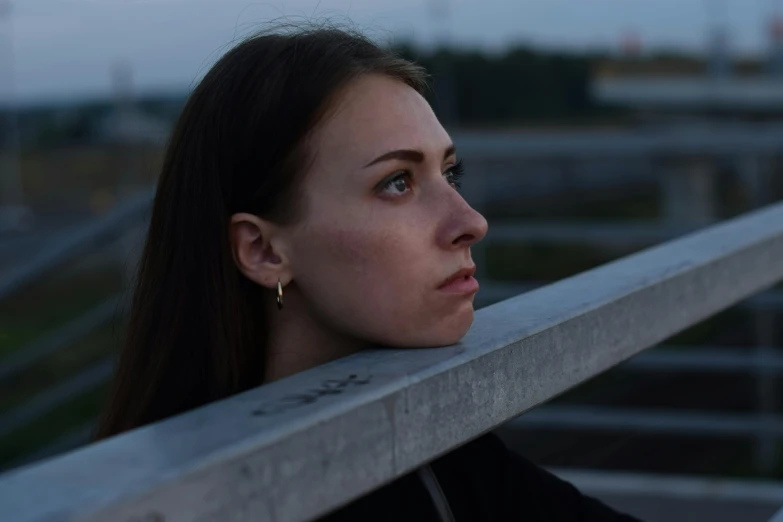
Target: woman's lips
<point>465,285</point>
<point>461,282</point>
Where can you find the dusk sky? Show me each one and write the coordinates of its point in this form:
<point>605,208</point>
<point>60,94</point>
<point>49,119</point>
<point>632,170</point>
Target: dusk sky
<point>65,48</point>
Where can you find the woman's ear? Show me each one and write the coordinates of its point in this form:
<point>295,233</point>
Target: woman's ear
<point>257,249</point>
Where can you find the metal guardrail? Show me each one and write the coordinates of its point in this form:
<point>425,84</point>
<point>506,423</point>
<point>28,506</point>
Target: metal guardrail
<point>27,356</point>
<point>127,215</point>
<point>55,396</point>
<point>72,439</point>
<point>707,359</point>
<point>650,421</point>
<point>302,446</point>
<point>663,142</point>
<point>72,245</point>
<point>602,234</point>
<point>689,487</point>
<point>677,498</point>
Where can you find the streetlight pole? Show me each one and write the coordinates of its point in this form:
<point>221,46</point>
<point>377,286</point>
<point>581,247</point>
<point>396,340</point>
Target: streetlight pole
<point>13,213</point>
<point>718,52</point>
<point>775,52</point>
<point>445,81</point>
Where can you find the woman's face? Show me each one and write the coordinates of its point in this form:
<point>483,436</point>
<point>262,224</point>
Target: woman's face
<point>383,225</point>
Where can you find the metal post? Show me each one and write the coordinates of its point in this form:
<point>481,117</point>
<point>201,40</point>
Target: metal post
<point>13,213</point>
<point>755,175</point>
<point>122,82</point>
<point>767,445</point>
<point>755,180</point>
<point>445,83</point>
<point>689,194</point>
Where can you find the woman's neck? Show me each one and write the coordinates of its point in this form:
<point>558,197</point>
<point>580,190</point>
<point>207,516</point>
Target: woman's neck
<point>297,341</point>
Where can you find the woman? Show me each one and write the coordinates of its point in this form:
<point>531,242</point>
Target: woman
<point>306,209</point>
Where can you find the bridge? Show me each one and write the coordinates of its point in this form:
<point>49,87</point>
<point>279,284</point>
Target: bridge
<point>303,446</point>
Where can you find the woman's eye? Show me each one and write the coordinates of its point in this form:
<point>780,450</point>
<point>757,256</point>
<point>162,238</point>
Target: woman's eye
<point>397,186</point>
<point>454,174</point>
<point>451,179</point>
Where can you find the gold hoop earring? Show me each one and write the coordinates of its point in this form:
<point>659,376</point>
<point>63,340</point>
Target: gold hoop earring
<point>279,295</point>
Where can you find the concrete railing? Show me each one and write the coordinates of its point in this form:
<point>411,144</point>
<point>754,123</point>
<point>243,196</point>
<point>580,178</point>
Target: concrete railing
<point>303,446</point>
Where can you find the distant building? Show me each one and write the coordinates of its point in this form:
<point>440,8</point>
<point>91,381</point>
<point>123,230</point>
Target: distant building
<point>126,123</point>
<point>717,86</point>
<point>132,127</point>
<point>759,96</point>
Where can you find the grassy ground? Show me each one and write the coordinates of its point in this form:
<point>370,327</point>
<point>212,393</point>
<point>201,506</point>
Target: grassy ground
<point>60,366</point>
<point>52,426</point>
<point>52,303</point>
<point>52,370</point>
<point>32,315</point>
<point>87,177</point>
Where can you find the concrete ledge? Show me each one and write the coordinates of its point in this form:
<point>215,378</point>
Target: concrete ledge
<point>303,446</point>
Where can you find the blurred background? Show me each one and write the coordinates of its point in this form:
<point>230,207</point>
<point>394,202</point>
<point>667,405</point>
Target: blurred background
<point>590,129</point>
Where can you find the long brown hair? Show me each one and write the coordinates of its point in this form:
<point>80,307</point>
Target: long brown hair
<point>196,330</point>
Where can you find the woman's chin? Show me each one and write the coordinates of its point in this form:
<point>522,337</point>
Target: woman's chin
<point>447,334</point>
<point>454,332</point>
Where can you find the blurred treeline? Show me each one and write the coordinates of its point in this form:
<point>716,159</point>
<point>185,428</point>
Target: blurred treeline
<point>519,86</point>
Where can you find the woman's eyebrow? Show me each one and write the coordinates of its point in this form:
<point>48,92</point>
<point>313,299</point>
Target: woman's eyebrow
<point>415,156</point>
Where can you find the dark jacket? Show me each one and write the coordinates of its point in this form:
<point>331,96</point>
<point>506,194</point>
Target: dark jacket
<point>480,481</point>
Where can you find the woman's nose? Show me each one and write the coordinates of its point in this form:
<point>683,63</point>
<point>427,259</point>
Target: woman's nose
<point>466,226</point>
<point>475,229</point>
